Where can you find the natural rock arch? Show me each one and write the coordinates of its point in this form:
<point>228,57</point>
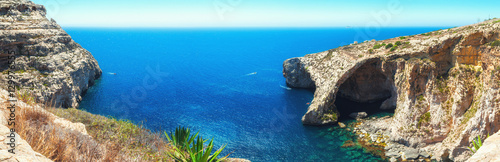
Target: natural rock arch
<point>368,89</point>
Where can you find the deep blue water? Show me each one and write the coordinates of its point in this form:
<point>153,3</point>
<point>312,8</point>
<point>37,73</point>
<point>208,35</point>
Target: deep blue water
<point>202,79</point>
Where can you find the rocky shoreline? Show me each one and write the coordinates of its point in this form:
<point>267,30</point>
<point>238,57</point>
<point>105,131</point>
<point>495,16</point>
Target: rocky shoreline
<point>443,85</point>
<point>371,132</point>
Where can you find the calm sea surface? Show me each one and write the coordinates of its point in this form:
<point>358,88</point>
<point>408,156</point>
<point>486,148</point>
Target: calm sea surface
<point>225,83</point>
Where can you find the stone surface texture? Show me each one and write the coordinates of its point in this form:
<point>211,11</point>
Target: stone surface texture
<point>49,66</point>
<point>48,63</point>
<point>444,86</point>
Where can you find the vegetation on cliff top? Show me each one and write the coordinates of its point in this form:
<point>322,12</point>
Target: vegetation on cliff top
<point>129,138</point>
<point>187,147</point>
<point>109,139</point>
<point>46,136</point>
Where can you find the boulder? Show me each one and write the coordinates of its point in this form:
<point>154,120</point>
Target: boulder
<point>341,125</point>
<point>358,115</point>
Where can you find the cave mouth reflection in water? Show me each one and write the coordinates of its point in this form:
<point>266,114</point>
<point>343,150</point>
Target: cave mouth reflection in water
<point>346,107</point>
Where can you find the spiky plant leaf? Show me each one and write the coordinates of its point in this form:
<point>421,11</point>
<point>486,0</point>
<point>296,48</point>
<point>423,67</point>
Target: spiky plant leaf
<point>471,150</point>
<point>480,143</point>
<point>191,148</point>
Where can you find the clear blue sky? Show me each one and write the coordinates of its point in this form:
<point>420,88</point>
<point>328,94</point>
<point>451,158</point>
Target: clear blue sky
<point>268,13</point>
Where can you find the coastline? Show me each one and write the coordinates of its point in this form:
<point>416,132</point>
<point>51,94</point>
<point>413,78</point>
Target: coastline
<point>429,79</point>
<point>75,135</point>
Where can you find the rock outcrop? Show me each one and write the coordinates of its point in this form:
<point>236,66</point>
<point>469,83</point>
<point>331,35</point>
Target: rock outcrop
<point>49,65</point>
<point>23,150</point>
<point>45,65</point>
<point>489,150</point>
<point>444,85</point>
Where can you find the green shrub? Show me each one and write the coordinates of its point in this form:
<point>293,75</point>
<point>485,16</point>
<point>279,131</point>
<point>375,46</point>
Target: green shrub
<point>421,98</point>
<point>398,43</point>
<point>389,46</point>
<point>191,148</point>
<point>19,71</point>
<point>360,56</point>
<point>377,46</point>
<point>495,43</point>
<point>370,51</point>
<point>426,34</point>
<point>393,49</point>
<point>424,119</point>
<point>402,37</point>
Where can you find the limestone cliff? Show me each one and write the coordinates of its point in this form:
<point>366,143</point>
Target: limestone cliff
<point>444,85</point>
<point>48,63</point>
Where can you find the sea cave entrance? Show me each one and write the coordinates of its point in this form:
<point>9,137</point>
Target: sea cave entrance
<point>369,89</point>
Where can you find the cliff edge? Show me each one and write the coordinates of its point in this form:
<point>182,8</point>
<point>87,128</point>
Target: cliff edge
<point>40,63</point>
<point>49,65</point>
<point>443,86</point>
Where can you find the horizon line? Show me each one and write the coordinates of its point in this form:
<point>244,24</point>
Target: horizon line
<point>195,27</point>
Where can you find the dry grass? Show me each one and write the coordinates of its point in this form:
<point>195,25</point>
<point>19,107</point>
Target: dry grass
<point>126,137</point>
<point>108,139</point>
<point>36,126</point>
<point>38,129</point>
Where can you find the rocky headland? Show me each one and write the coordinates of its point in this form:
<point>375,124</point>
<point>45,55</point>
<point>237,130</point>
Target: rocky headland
<point>45,65</point>
<point>443,87</point>
<point>49,65</point>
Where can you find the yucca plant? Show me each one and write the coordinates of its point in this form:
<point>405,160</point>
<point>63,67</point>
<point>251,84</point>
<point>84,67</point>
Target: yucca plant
<point>181,138</point>
<point>199,153</point>
<point>187,149</point>
<point>477,143</point>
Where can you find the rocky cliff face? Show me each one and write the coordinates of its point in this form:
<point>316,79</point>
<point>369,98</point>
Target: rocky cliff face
<point>444,85</point>
<point>48,63</point>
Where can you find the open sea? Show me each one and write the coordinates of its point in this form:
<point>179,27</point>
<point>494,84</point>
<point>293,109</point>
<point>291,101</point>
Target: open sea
<point>226,83</point>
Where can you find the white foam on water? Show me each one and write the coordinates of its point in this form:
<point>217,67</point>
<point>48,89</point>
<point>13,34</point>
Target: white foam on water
<point>251,74</point>
<point>287,88</point>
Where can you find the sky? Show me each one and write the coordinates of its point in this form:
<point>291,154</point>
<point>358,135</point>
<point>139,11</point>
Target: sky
<point>268,13</point>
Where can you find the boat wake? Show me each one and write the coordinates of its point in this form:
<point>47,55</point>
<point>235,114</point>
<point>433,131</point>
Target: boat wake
<point>285,87</point>
<point>251,74</point>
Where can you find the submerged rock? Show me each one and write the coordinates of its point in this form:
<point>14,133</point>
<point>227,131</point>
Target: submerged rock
<point>358,115</point>
<point>348,143</point>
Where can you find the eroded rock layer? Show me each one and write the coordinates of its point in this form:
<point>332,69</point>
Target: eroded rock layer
<point>444,85</point>
<point>49,65</point>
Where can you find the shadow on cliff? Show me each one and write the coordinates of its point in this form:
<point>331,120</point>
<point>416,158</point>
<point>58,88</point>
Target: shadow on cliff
<point>370,89</point>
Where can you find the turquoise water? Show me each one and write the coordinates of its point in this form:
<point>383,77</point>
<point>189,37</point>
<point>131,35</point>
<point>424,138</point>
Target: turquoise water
<point>225,83</point>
